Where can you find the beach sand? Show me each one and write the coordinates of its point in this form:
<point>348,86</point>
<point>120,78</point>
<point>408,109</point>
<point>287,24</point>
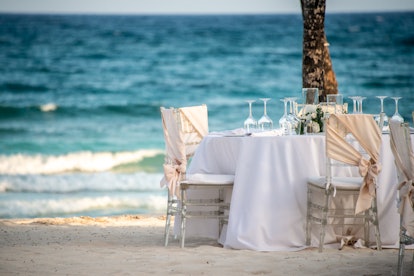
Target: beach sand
<point>133,245</point>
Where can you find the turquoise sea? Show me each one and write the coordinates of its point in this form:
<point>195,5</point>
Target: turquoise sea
<point>80,128</point>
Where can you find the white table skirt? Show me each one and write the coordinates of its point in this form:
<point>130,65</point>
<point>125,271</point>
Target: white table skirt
<point>268,203</point>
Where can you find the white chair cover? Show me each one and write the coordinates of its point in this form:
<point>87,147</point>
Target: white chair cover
<point>369,137</point>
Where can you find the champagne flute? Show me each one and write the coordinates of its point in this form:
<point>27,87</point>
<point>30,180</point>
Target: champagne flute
<point>382,118</point>
<point>265,123</point>
<point>250,124</point>
<point>397,115</point>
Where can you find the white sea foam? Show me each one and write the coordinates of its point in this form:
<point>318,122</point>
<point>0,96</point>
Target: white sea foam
<point>69,206</point>
<point>78,161</point>
<point>48,107</point>
<point>93,194</point>
<point>81,182</point>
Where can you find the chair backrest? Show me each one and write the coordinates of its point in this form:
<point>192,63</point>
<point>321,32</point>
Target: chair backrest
<point>184,128</point>
<point>355,139</point>
<point>400,142</point>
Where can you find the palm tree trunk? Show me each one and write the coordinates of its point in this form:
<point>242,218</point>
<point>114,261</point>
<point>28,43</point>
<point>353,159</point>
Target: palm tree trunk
<point>330,85</point>
<point>317,69</point>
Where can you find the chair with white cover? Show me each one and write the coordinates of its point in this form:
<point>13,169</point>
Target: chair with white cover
<point>340,198</point>
<point>184,128</point>
<point>401,147</point>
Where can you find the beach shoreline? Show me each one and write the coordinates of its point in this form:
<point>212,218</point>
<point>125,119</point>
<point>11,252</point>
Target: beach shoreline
<point>133,245</point>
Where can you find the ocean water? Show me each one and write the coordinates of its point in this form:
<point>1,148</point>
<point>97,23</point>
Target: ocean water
<point>80,128</point>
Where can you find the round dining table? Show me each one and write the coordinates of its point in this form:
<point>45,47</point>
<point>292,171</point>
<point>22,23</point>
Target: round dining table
<point>269,197</point>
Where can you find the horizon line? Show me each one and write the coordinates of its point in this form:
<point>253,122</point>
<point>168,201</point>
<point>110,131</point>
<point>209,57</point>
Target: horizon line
<point>189,13</point>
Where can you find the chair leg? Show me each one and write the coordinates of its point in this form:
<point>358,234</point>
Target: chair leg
<point>376,224</point>
<point>167,229</point>
<point>324,221</point>
<point>412,263</point>
<point>308,219</point>
<point>400,259</point>
<point>183,216</point>
<point>168,219</point>
<point>367,220</point>
<point>220,211</point>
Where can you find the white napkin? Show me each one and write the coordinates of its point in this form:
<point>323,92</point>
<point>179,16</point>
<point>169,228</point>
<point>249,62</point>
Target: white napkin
<point>273,132</point>
<point>232,132</point>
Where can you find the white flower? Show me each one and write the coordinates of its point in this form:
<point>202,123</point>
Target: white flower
<point>315,127</point>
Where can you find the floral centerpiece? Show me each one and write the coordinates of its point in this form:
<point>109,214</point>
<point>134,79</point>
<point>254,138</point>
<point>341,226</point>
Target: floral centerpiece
<point>312,119</point>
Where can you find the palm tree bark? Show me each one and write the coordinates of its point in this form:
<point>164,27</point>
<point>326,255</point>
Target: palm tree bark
<point>330,85</point>
<point>317,69</point>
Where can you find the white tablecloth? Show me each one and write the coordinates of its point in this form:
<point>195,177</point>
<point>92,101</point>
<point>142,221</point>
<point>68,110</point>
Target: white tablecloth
<point>268,204</point>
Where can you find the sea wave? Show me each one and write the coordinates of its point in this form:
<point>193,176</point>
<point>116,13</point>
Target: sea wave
<point>22,164</point>
<point>48,107</point>
<point>22,87</point>
<point>92,206</point>
<point>81,109</point>
<point>140,182</point>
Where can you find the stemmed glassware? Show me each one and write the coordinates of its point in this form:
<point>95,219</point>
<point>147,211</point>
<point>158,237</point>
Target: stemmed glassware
<point>382,118</point>
<point>397,115</point>
<point>250,124</point>
<point>283,121</point>
<point>293,118</point>
<point>265,123</point>
<point>360,100</point>
<point>354,102</point>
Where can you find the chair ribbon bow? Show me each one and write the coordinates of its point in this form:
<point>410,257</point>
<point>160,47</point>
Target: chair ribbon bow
<point>368,167</point>
<point>406,189</point>
<point>172,173</point>
<point>369,171</point>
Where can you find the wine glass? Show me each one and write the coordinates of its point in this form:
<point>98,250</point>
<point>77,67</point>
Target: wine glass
<point>293,119</point>
<point>283,121</point>
<point>360,100</point>
<point>250,124</point>
<point>265,123</point>
<point>354,102</point>
<point>397,115</point>
<point>382,118</point>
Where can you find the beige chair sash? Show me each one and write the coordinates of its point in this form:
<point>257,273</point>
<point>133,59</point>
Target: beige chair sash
<point>366,132</point>
<point>175,160</point>
<point>196,115</point>
<point>404,160</point>
<point>176,124</point>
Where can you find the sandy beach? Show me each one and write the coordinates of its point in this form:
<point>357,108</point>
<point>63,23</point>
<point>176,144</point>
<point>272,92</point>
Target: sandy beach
<point>133,245</point>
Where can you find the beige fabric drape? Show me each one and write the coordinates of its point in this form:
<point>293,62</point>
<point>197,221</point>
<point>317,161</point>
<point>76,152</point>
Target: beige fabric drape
<point>178,125</point>
<point>404,160</point>
<point>366,132</point>
<point>196,115</point>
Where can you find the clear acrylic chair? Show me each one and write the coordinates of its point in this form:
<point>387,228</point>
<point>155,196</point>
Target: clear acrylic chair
<point>184,129</point>
<point>352,145</point>
<point>401,147</point>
